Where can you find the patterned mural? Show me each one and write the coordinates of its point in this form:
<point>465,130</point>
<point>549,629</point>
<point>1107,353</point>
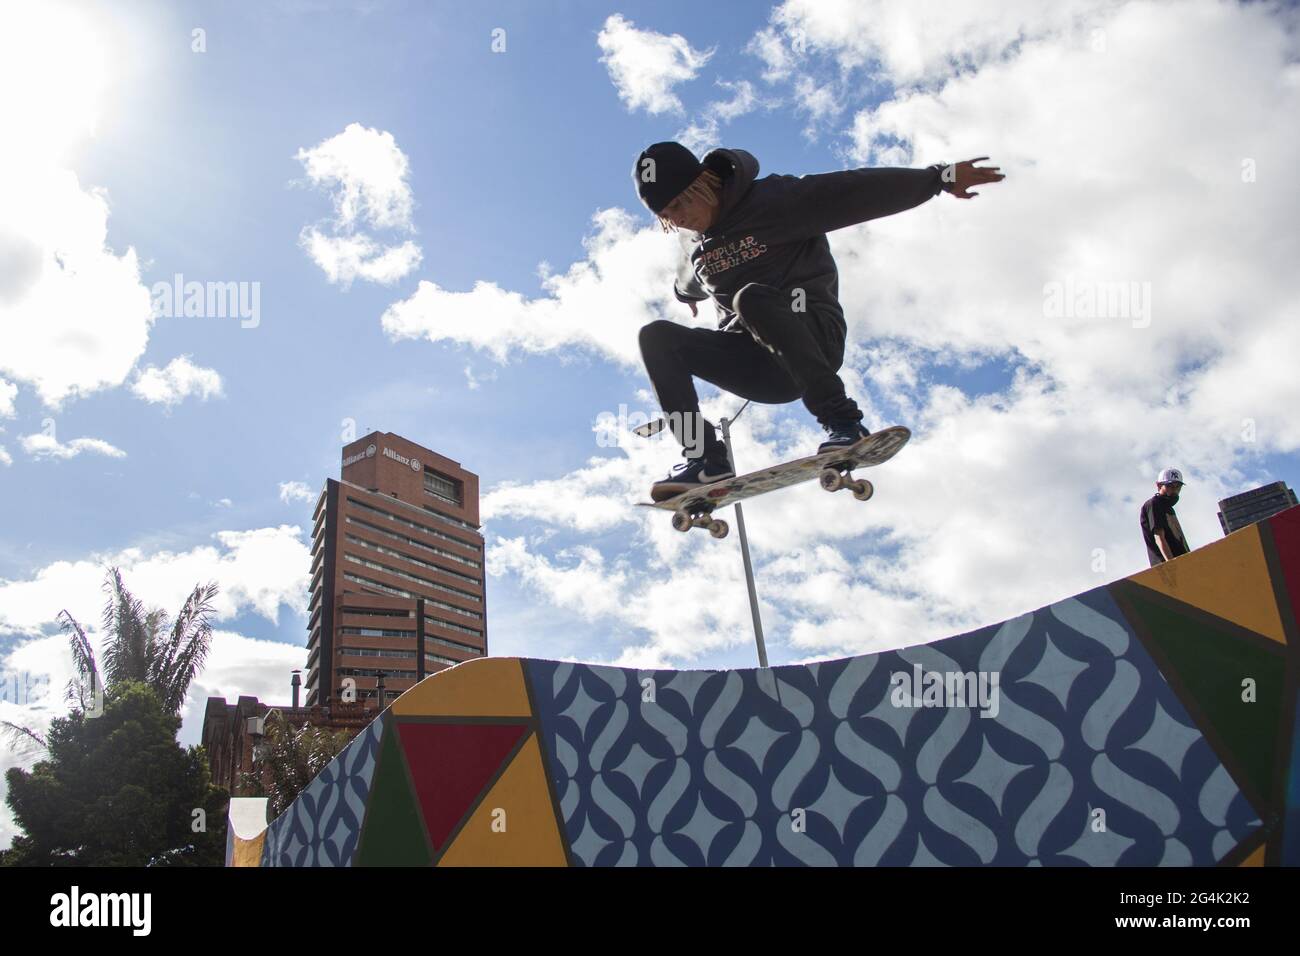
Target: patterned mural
<point>1152,721</point>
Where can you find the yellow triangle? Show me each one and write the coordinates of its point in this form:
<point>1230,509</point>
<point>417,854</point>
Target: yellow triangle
<point>1255,859</point>
<point>486,687</point>
<point>514,825</point>
<point>1229,579</point>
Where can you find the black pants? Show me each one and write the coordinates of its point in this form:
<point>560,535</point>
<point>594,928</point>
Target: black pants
<point>806,351</point>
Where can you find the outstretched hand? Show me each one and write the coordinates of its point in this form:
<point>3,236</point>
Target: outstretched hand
<point>960,177</point>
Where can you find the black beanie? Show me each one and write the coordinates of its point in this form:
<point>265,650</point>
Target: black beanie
<point>662,171</point>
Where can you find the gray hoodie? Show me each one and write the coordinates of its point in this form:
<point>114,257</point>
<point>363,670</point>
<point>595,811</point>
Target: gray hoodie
<point>773,230</point>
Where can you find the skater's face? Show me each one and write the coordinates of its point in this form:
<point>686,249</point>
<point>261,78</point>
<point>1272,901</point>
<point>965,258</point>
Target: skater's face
<point>1171,489</point>
<point>690,211</point>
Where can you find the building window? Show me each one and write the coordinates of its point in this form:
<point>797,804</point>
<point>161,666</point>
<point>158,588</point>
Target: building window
<point>389,589</point>
<point>439,622</point>
<point>406,539</point>
<point>397,572</point>
<point>447,518</point>
<point>376,611</point>
<point>362,542</point>
<point>443,488</point>
<point>373,652</point>
<point>425,528</point>
<point>376,632</point>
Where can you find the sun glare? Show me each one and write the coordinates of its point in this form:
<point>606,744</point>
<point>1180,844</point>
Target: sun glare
<point>53,67</point>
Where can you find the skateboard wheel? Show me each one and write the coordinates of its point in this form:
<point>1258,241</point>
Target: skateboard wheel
<point>831,479</point>
<point>682,521</point>
<point>718,528</point>
<point>863,489</point>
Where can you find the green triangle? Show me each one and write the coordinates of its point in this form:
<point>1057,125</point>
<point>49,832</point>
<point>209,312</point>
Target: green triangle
<point>394,833</point>
<point>1205,665</point>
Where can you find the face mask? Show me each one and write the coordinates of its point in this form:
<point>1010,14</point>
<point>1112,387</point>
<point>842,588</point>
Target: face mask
<point>1173,499</point>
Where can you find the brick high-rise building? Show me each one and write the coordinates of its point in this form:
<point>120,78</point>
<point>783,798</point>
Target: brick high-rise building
<point>397,583</point>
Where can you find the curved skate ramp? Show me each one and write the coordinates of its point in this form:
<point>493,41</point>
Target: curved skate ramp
<point>1151,721</point>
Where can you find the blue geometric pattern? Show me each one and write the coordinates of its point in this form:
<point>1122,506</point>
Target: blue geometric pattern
<point>320,827</point>
<point>1087,759</point>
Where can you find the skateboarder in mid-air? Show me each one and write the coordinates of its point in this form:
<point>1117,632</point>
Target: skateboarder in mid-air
<point>758,248</point>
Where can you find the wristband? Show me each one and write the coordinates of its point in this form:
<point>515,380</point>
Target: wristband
<point>943,185</point>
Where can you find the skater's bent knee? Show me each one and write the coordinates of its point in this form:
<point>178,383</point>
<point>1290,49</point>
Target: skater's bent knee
<point>750,294</point>
<point>655,333</point>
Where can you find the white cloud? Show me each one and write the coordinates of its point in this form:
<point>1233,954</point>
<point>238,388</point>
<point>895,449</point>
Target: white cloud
<point>824,49</point>
<point>816,99</point>
<point>645,66</point>
<point>5,457</point>
<point>598,304</point>
<point>577,500</point>
<point>259,570</point>
<point>769,46</point>
<point>74,316</point>
<point>8,391</point>
<point>702,134</point>
<point>367,176</point>
<point>344,259</point>
<point>475,381</point>
<point>291,491</point>
<point>239,665</point>
<point>176,381</point>
<point>47,446</point>
<point>918,42</point>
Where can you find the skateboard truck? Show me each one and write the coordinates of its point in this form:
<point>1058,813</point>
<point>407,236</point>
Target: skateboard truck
<point>838,475</point>
<point>693,516</point>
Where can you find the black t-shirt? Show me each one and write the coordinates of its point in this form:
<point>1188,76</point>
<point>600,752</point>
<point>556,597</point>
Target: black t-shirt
<point>1158,515</point>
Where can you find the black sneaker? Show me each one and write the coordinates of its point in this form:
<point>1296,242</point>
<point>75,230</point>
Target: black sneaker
<point>692,473</point>
<point>842,435</point>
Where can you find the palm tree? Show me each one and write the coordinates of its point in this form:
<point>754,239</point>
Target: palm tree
<point>140,645</point>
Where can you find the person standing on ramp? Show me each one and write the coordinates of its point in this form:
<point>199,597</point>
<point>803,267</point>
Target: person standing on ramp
<point>1160,528</point>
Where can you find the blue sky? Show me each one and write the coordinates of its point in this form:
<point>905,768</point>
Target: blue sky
<point>1036,439</point>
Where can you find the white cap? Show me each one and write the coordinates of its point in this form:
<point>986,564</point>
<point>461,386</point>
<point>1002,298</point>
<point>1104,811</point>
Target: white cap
<point>1169,476</point>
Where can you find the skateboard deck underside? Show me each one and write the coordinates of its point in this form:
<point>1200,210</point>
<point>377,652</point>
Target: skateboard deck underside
<point>875,449</point>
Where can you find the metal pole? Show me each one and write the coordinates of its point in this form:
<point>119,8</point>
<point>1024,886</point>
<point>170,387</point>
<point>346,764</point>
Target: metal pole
<point>744,552</point>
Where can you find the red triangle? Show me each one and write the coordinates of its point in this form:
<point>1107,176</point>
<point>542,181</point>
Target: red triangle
<point>451,764</point>
<point>1286,539</point>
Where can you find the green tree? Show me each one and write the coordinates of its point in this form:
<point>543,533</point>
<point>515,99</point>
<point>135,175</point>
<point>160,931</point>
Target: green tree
<point>117,790</point>
<point>140,645</point>
<point>287,759</point>
<point>146,646</point>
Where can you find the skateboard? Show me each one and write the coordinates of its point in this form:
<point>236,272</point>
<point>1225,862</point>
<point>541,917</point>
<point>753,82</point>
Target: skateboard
<point>832,469</point>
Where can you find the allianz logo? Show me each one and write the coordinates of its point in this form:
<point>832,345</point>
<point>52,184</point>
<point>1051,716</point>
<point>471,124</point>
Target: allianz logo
<point>413,462</point>
<point>353,459</point>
